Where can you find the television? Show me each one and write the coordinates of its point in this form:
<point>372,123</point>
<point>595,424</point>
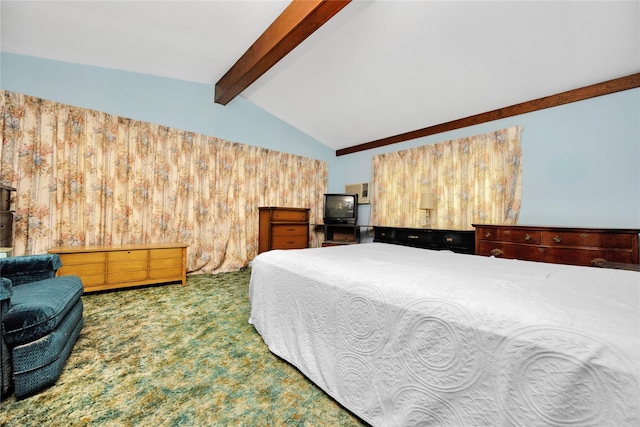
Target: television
<point>340,209</point>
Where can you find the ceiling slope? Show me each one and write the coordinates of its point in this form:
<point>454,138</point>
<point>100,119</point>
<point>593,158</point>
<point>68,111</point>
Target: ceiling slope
<point>299,20</point>
<point>376,69</point>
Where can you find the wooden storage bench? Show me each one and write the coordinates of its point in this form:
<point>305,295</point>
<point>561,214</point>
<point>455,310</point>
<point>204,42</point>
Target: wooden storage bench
<point>119,266</point>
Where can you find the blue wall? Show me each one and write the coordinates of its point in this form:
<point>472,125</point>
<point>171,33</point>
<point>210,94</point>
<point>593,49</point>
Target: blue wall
<point>581,161</point>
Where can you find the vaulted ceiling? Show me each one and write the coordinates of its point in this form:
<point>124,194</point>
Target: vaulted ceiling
<point>375,69</point>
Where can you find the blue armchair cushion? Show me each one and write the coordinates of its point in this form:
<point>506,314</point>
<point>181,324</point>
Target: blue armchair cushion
<point>29,268</point>
<point>37,308</point>
<point>6,290</point>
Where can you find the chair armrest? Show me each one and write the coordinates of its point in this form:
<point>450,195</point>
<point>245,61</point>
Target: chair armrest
<point>29,268</point>
<point>6,290</point>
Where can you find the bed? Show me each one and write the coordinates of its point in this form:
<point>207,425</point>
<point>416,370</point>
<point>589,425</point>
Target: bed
<point>404,336</point>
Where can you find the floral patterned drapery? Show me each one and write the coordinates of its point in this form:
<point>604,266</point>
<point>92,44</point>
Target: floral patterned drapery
<point>477,179</point>
<point>85,177</point>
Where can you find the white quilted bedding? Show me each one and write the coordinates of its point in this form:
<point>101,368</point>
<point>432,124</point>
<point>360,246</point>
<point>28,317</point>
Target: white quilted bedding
<point>403,336</point>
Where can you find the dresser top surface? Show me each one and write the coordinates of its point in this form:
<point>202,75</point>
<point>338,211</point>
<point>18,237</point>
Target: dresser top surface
<point>424,229</point>
<point>109,248</point>
<point>282,208</point>
<point>561,228</point>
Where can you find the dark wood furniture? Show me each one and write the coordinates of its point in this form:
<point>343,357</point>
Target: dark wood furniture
<point>283,228</point>
<point>6,217</point>
<point>460,241</point>
<point>560,245</point>
<point>341,234</point>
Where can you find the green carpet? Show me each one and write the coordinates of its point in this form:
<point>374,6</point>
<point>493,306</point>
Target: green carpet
<point>176,355</point>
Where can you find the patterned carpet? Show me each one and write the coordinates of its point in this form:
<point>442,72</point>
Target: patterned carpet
<point>176,356</point>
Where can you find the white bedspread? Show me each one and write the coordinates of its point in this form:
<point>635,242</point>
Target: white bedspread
<point>404,336</point>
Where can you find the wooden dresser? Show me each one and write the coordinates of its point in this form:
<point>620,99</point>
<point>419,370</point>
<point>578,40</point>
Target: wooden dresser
<point>119,266</point>
<point>283,228</point>
<point>560,245</point>
<point>460,241</point>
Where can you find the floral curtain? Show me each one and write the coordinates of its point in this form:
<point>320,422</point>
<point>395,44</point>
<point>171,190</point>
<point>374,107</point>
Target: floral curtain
<point>475,180</point>
<point>89,178</point>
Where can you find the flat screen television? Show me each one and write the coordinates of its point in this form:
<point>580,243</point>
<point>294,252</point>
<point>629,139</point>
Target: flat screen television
<point>340,209</point>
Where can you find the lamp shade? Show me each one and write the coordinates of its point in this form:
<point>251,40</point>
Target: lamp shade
<point>427,201</point>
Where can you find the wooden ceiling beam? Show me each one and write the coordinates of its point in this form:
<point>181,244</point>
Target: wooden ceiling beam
<point>611,86</point>
<point>297,22</point>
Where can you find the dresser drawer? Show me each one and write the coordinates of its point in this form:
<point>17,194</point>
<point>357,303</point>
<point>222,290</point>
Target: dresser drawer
<point>164,262</point>
<point>166,272</point>
<point>556,255</point>
<point>82,258</point>
<point>133,265</point>
<point>419,238</point>
<point>506,235</point>
<point>586,239</point>
<point>81,269</point>
<point>588,257</point>
<point>384,234</point>
<point>289,242</point>
<point>510,251</point>
<point>456,239</point>
<point>166,253</point>
<point>118,256</point>
<point>284,230</point>
<point>124,276</point>
<point>91,280</point>
<point>290,215</point>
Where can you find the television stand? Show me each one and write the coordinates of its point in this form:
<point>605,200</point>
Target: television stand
<point>341,234</point>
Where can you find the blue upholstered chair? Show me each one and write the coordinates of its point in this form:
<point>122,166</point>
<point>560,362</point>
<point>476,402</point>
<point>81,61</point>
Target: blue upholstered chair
<point>41,319</point>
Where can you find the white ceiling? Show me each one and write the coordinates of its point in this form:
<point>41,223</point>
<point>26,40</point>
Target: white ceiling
<point>376,69</point>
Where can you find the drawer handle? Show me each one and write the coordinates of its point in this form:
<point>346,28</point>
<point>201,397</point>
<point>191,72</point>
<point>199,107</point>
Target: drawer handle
<point>290,243</point>
<point>557,239</point>
<point>487,234</point>
<point>598,261</point>
<point>413,236</point>
<point>496,252</point>
<point>507,232</point>
<point>583,236</point>
<point>291,229</point>
<point>540,250</point>
<point>449,239</point>
<point>527,237</point>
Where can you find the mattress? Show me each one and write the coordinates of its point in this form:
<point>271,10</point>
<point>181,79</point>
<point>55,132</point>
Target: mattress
<point>406,336</point>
